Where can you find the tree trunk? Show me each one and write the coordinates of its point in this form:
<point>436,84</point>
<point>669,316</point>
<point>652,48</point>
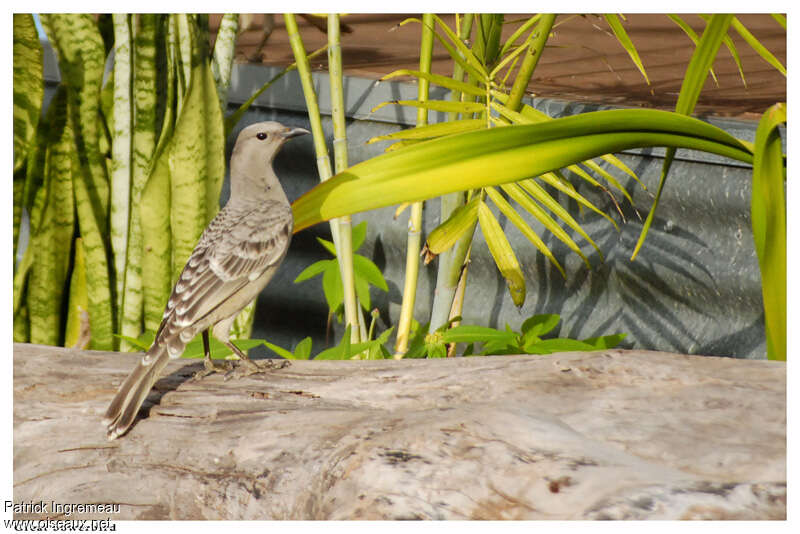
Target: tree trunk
<point>605,435</point>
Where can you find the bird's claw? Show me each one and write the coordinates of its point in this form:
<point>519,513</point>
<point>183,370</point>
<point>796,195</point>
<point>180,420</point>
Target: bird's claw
<point>249,367</point>
<point>209,368</point>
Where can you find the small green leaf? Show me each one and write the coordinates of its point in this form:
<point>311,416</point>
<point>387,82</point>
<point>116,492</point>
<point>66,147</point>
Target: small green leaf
<point>313,270</point>
<point>539,325</point>
<point>332,287</point>
<point>605,342</point>
<point>366,269</point>
<point>549,346</point>
<point>359,233</point>
<point>303,349</point>
<point>476,334</point>
<point>362,292</point>
<point>280,351</point>
<point>328,246</point>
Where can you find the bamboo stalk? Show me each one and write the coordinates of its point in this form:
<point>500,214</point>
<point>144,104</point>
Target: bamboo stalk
<point>352,311</point>
<point>414,237</point>
<point>315,119</point>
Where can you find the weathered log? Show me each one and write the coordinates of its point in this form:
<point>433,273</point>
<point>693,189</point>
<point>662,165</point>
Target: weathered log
<point>612,434</point>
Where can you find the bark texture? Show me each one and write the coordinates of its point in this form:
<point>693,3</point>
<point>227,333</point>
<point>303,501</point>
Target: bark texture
<point>605,435</point>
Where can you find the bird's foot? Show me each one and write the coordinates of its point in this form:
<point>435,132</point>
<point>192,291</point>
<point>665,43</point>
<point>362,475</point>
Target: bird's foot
<point>210,367</point>
<point>249,367</point>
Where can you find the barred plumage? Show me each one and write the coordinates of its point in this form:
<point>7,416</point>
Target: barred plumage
<point>234,259</point>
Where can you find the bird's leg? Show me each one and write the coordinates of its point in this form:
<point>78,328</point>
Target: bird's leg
<point>249,367</point>
<point>209,367</point>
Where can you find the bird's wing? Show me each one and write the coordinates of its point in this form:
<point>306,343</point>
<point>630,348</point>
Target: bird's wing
<point>236,248</point>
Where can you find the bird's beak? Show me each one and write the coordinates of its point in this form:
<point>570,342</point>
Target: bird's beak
<point>288,133</point>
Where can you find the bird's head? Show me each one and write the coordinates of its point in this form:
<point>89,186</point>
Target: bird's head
<point>264,139</point>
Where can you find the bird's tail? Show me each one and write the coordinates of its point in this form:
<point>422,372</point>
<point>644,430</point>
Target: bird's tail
<point>132,393</point>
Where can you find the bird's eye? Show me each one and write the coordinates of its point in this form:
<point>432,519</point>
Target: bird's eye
<point>261,135</point>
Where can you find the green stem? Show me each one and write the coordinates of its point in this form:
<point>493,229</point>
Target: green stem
<point>450,261</point>
<point>532,56</point>
<point>314,117</point>
<point>345,252</point>
<point>414,238</point>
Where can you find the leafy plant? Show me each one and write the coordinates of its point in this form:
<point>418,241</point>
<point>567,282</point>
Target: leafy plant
<point>491,140</point>
<point>365,273</point>
<point>529,340</point>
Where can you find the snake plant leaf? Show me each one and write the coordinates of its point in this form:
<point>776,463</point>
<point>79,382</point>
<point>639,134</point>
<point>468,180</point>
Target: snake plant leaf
<point>693,82</point>
<point>430,131</point>
<point>500,155</point>
<point>768,216</point>
<point>616,26</point>
<point>28,85</point>
<point>520,223</point>
<point>222,60</point>
<point>196,163</point>
<point>81,55</point>
<point>503,254</point>
<point>77,310</point>
<point>144,93</point>
<point>446,234</point>
<point>52,236</point>
<point>120,175</point>
<point>436,105</point>
<point>757,46</point>
<point>442,81</point>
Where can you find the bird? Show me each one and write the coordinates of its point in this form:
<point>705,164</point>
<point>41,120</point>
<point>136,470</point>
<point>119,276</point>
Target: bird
<point>234,259</point>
